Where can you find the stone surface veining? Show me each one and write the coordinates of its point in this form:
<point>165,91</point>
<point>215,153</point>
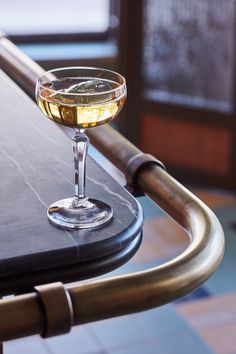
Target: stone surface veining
<point>36,170</point>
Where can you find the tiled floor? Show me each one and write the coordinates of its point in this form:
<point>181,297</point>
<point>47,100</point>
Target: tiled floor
<point>202,323</point>
<point>214,320</point>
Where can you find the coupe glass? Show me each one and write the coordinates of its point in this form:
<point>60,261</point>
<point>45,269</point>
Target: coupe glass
<point>80,98</point>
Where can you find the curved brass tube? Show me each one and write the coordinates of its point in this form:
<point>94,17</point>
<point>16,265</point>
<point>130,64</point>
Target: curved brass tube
<point>162,284</point>
<point>132,292</point>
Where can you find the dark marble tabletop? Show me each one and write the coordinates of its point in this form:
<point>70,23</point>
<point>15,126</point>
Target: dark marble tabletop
<point>36,169</point>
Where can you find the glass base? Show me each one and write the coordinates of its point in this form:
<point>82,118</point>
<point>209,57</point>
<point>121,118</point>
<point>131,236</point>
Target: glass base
<point>79,214</point>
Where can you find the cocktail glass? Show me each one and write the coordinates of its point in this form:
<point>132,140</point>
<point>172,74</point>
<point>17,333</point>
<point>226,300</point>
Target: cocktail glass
<point>80,98</point>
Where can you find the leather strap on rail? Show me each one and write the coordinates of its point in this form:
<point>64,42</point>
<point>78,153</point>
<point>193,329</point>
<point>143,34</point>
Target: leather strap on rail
<point>133,168</point>
<point>57,308</point>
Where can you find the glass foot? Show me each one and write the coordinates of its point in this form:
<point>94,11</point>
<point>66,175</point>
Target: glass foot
<point>74,214</point>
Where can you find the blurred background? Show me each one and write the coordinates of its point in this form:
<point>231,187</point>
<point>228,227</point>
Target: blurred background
<point>179,59</point>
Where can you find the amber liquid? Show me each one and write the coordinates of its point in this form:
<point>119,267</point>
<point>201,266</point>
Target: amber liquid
<point>87,109</point>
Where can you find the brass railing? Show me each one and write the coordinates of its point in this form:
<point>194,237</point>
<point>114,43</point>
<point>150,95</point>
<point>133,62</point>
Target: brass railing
<point>31,313</point>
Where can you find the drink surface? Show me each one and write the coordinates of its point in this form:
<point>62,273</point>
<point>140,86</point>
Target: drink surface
<point>81,102</point>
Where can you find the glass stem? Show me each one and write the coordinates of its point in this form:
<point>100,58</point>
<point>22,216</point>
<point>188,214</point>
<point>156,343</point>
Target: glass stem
<point>80,143</point>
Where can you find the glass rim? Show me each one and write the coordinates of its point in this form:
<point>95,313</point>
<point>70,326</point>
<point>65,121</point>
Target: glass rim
<point>122,85</point>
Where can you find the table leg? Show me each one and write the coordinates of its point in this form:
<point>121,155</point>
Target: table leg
<point>1,348</point>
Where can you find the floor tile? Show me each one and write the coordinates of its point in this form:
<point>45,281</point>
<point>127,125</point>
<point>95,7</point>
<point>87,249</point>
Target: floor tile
<point>162,238</point>
<point>137,348</point>
<point>196,294</point>
<point>28,345</point>
<point>181,343</point>
<point>223,280</point>
<point>221,339</point>
<point>214,319</point>
<point>78,341</point>
<point>215,305</point>
<point>121,331</point>
<point>161,321</point>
